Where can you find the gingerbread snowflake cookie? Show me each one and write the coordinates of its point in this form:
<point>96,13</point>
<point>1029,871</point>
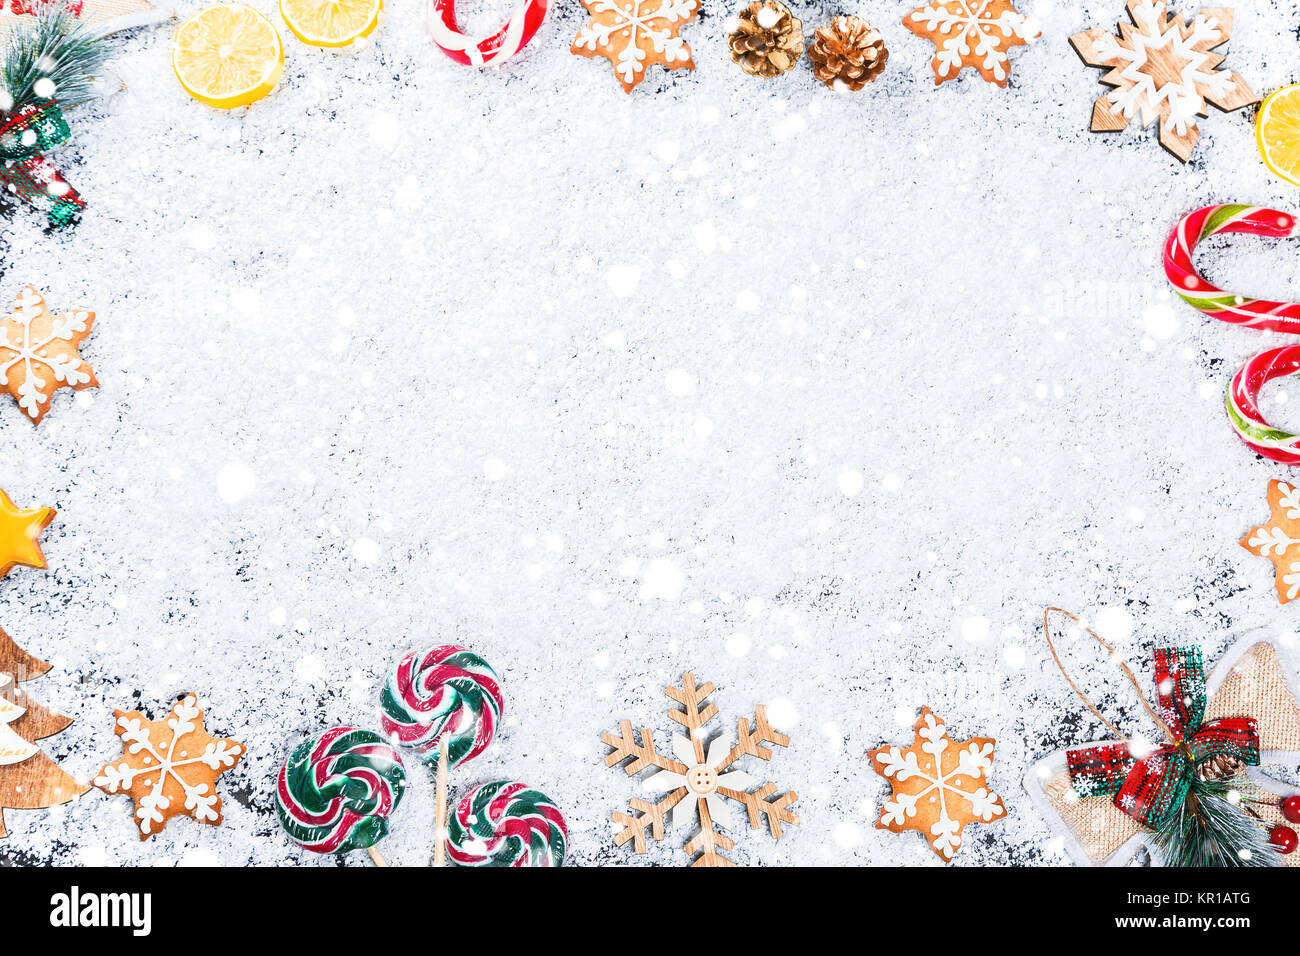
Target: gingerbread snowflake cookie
<point>1278,539</point>
<point>633,34</point>
<point>938,786</point>
<point>169,767</point>
<point>1163,66</point>
<point>971,33</point>
<point>38,353</point>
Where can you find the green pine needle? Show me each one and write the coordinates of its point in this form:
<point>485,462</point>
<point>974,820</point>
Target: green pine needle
<point>51,44</point>
<point>1208,829</point>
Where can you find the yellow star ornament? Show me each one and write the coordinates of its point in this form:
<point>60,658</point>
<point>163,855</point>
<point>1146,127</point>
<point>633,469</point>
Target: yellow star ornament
<point>19,529</point>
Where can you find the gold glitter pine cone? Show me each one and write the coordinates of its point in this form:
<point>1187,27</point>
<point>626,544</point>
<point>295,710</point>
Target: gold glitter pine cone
<point>767,39</point>
<point>848,54</point>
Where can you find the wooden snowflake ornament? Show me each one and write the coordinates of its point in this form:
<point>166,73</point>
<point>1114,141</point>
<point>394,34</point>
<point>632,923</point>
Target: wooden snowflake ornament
<point>633,34</point>
<point>939,786</point>
<point>38,353</point>
<point>701,779</point>
<point>1279,539</point>
<point>1163,66</point>
<point>170,767</point>
<point>971,33</point>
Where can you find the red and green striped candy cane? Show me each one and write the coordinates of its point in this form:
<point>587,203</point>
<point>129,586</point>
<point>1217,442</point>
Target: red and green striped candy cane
<point>1229,307</point>
<point>1243,408</point>
<point>506,824</point>
<point>1242,398</point>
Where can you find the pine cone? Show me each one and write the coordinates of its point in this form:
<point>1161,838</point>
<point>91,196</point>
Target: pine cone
<point>767,39</point>
<point>1219,767</point>
<point>848,54</point>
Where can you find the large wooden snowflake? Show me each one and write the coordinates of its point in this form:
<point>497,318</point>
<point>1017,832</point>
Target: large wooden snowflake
<point>700,781</point>
<point>939,786</point>
<point>1163,66</point>
<point>971,33</point>
<point>632,34</point>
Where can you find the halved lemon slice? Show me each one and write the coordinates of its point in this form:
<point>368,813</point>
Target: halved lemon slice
<point>1277,130</point>
<point>331,22</point>
<point>227,56</point>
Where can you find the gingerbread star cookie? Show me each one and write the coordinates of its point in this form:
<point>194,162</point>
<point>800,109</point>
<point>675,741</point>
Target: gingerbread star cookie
<point>19,530</point>
<point>939,786</point>
<point>1279,539</point>
<point>169,767</point>
<point>633,34</point>
<point>971,33</point>
<point>38,353</point>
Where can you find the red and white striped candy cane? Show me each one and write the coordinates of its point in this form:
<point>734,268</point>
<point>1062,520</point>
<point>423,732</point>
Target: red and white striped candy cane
<point>1210,299</point>
<point>1243,408</point>
<point>522,25</point>
<point>1264,314</point>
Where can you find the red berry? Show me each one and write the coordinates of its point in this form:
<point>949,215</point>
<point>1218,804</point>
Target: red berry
<point>1284,838</point>
<point>1291,808</point>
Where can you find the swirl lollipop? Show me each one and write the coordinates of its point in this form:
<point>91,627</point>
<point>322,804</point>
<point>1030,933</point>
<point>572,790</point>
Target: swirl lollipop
<point>444,703</point>
<point>336,790</point>
<point>506,824</point>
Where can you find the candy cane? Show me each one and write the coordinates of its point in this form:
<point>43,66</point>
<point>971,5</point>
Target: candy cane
<point>1243,411</point>
<point>523,23</point>
<point>1240,310</point>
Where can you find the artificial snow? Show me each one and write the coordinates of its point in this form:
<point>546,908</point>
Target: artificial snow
<point>820,396</point>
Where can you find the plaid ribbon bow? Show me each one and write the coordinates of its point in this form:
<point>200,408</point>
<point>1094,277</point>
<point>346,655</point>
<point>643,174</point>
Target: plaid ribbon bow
<point>24,171</point>
<point>1151,788</point>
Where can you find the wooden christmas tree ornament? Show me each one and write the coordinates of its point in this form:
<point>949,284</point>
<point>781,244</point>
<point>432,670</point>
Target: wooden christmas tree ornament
<point>29,780</point>
<point>1162,65</point>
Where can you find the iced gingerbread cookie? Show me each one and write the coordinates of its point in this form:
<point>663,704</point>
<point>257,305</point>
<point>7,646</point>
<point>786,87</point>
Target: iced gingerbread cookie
<point>635,34</point>
<point>38,353</point>
<point>169,767</point>
<point>939,786</point>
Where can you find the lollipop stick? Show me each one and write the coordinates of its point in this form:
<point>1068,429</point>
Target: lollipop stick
<point>376,856</point>
<point>440,832</point>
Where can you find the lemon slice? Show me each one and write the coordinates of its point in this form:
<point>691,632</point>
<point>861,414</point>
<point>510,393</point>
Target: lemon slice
<point>331,22</point>
<point>1277,130</point>
<point>227,56</point>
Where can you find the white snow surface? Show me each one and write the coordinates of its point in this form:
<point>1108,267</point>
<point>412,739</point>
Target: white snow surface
<point>820,396</point>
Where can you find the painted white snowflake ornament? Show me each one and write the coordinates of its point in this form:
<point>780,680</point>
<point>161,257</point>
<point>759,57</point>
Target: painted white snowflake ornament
<point>1163,66</point>
<point>169,767</point>
<point>938,786</point>
<point>971,33</point>
<point>702,782</point>
<point>38,353</point>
